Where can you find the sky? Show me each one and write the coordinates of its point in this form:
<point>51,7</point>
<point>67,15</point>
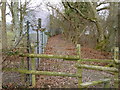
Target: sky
<point>33,3</point>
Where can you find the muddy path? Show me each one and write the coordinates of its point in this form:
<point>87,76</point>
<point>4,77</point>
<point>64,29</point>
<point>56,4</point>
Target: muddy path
<point>57,45</point>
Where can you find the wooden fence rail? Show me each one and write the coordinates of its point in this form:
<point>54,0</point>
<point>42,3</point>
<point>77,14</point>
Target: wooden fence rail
<point>40,72</point>
<point>50,56</point>
<point>86,84</point>
<point>100,68</point>
<point>78,65</point>
<point>66,57</point>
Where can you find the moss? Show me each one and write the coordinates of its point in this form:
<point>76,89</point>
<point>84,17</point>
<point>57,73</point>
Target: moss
<point>102,45</point>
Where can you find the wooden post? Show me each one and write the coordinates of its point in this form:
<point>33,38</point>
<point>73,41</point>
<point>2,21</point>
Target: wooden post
<point>107,84</point>
<point>42,38</point>
<point>22,67</point>
<point>116,55</point>
<point>33,68</point>
<point>38,45</point>
<point>28,76</point>
<point>79,70</point>
<point>28,45</point>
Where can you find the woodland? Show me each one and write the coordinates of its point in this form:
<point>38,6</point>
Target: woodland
<point>64,44</point>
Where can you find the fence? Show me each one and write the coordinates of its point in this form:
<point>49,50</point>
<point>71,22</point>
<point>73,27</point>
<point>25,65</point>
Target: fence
<point>79,67</point>
<point>38,43</point>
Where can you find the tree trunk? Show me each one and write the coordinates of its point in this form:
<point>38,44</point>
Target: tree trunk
<point>101,40</point>
<point>4,33</point>
<point>112,23</point>
<point>16,21</point>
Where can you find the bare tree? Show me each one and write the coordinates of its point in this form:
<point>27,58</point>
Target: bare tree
<point>4,33</point>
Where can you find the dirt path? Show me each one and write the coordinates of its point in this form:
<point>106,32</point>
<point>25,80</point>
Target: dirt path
<point>57,45</point>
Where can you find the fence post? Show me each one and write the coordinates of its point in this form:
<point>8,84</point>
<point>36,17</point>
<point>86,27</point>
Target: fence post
<point>28,76</point>
<point>79,70</point>
<point>42,38</point>
<point>38,45</point>
<point>107,83</point>
<point>22,67</point>
<point>116,57</point>
<point>33,68</point>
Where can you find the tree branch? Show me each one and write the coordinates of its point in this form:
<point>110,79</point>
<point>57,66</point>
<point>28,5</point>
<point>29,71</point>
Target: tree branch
<point>59,12</point>
<point>101,3</point>
<point>80,13</point>
<point>104,8</point>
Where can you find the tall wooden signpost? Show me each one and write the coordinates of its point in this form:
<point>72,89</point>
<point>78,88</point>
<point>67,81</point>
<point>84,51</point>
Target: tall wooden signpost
<point>38,45</point>
<point>28,76</point>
